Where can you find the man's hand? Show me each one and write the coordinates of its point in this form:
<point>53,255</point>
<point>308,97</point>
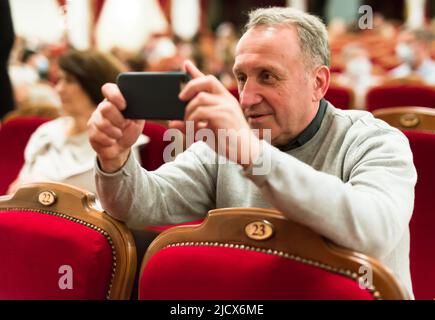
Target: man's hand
<point>213,107</point>
<point>110,134</point>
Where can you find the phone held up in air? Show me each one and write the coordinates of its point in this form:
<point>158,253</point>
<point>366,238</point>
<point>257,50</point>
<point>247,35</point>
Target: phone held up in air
<point>153,95</point>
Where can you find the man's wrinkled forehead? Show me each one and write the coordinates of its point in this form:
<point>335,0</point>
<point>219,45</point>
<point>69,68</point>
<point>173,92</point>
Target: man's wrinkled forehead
<point>269,40</point>
<point>272,43</point>
<point>265,34</point>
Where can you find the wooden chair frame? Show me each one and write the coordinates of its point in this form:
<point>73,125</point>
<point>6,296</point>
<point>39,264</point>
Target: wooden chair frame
<point>76,205</point>
<point>226,228</point>
<point>408,118</point>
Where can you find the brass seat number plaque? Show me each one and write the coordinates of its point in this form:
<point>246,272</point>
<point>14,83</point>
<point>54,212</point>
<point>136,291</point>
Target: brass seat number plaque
<point>409,120</point>
<point>47,198</point>
<point>259,230</point>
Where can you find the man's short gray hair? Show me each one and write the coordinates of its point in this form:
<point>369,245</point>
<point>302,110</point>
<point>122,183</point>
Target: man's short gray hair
<point>313,36</point>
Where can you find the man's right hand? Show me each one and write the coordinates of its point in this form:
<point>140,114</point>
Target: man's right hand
<point>110,134</point>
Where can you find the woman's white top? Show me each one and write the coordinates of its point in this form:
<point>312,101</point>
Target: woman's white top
<point>51,155</point>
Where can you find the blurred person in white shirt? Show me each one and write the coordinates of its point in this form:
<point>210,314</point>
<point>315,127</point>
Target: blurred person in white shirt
<point>413,49</point>
<point>358,73</point>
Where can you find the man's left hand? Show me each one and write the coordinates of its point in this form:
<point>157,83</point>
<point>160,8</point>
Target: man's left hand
<point>213,107</point>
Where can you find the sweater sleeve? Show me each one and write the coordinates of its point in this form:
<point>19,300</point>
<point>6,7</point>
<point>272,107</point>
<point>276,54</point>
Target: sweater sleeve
<point>369,213</point>
<point>177,192</point>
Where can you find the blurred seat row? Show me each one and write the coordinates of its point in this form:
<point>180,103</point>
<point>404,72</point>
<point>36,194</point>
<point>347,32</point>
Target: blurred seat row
<point>383,96</point>
<point>395,93</point>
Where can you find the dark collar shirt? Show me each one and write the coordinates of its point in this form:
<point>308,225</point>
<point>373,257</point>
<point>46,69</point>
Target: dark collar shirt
<point>309,131</point>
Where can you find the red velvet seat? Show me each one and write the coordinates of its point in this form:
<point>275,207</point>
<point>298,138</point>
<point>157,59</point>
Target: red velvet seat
<point>340,97</point>
<point>400,96</point>
<point>54,245</point>
<point>14,135</point>
<point>152,153</point>
<point>422,227</point>
<point>235,92</point>
<point>255,254</point>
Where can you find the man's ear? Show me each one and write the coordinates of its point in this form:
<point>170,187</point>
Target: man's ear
<point>322,78</point>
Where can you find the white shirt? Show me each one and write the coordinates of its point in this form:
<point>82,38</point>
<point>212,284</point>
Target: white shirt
<point>426,71</point>
<point>51,155</point>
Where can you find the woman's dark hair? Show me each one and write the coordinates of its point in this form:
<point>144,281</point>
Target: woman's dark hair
<point>91,69</point>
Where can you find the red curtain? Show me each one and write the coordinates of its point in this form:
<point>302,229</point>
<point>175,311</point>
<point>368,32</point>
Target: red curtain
<point>165,6</point>
<point>98,6</point>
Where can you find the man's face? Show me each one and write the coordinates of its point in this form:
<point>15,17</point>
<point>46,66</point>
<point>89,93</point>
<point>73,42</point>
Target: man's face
<point>276,90</point>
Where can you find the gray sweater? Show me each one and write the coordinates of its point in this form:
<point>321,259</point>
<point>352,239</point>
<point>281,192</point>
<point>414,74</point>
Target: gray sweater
<point>353,183</point>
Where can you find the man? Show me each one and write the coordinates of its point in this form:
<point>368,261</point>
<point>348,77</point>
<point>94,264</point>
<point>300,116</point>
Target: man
<point>345,175</point>
<point>413,50</point>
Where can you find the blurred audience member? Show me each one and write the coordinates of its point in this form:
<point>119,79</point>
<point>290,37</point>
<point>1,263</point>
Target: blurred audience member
<point>185,50</point>
<point>59,150</point>
<point>337,28</point>
<point>7,40</point>
<point>413,49</point>
<point>136,62</point>
<point>226,42</point>
<point>23,76</point>
<point>54,51</point>
<point>162,54</point>
<point>206,54</point>
<point>28,75</point>
<point>358,72</point>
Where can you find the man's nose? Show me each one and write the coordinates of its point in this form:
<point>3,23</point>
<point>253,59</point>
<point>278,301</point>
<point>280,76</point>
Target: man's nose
<point>250,95</point>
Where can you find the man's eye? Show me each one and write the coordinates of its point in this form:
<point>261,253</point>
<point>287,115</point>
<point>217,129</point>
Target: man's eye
<point>267,77</point>
<point>241,79</point>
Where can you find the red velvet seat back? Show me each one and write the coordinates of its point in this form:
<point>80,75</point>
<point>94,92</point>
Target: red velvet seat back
<point>152,153</point>
<point>235,92</point>
<point>422,225</point>
<point>340,97</point>
<point>400,96</point>
<point>14,135</point>
<point>33,248</point>
<point>258,254</point>
<point>217,273</point>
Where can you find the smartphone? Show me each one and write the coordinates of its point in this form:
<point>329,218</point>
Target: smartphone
<point>153,95</point>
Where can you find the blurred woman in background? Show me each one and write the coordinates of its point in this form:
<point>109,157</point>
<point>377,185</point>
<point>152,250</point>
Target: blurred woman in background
<point>59,150</point>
